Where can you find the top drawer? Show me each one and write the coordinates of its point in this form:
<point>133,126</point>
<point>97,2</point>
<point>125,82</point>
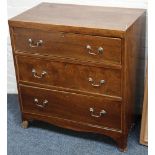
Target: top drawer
<point>68,45</point>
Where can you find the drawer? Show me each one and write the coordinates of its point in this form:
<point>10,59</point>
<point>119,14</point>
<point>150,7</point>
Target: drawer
<point>53,103</point>
<point>99,80</point>
<point>68,45</point>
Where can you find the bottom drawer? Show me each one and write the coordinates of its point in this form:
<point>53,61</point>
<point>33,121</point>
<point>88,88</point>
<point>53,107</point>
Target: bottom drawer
<point>71,106</point>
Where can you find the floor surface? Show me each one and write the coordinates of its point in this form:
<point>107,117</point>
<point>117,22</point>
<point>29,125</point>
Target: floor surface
<point>45,139</point>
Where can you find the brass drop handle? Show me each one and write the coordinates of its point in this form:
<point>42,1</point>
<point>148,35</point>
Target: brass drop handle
<point>93,82</point>
<point>34,44</point>
<point>38,76</point>
<point>102,112</point>
<point>41,105</point>
<point>89,48</point>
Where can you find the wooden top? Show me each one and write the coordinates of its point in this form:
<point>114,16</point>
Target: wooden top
<point>95,17</point>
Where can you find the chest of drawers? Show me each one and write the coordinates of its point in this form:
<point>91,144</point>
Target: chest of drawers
<point>77,66</point>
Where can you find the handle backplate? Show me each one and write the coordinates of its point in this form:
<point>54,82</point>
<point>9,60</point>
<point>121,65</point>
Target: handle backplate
<point>102,112</point>
<point>94,84</point>
<point>40,105</point>
<point>38,76</point>
<point>35,44</point>
<point>90,50</point>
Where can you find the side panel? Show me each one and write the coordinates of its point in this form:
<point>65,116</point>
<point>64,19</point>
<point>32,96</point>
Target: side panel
<point>134,70</point>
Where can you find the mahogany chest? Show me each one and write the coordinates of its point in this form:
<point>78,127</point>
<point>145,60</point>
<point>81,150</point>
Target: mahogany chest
<point>77,66</point>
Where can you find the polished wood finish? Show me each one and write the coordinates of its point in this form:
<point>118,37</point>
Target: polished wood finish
<point>66,106</point>
<point>64,94</point>
<point>94,20</point>
<point>69,45</point>
<point>134,71</point>
<point>74,76</point>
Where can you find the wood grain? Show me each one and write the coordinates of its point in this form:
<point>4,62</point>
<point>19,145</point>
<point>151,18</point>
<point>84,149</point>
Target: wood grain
<point>66,105</point>
<point>78,18</point>
<point>66,33</point>
<point>68,75</point>
<point>133,42</point>
<point>69,45</point>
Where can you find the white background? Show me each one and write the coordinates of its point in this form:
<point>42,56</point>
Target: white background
<point>17,6</point>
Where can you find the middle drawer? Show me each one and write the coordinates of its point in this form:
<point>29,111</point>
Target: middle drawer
<point>99,80</point>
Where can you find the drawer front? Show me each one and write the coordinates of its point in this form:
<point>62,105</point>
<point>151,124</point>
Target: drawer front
<point>67,45</point>
<point>101,80</point>
<point>75,107</point>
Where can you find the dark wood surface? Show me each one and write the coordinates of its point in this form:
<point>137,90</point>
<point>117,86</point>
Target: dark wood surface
<point>63,55</point>
<point>69,45</point>
<point>81,16</point>
<point>68,75</point>
<point>78,18</point>
<point>135,70</point>
<point>66,106</point>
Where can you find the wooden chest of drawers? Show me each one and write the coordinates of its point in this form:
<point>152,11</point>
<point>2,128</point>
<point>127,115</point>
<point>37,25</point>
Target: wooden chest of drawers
<point>77,66</point>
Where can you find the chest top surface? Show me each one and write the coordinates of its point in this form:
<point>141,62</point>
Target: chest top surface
<point>119,19</point>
